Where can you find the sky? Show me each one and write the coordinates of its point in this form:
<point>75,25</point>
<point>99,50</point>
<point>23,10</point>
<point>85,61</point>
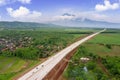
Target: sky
<point>44,11</point>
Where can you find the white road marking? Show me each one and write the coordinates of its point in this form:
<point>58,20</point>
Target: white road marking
<point>39,72</point>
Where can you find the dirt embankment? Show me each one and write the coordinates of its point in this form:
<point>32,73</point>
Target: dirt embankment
<point>57,71</point>
<point>104,69</point>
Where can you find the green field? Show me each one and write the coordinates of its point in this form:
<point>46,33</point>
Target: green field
<point>81,30</point>
<point>11,66</point>
<point>76,71</point>
<point>107,38</point>
<point>105,44</point>
<point>104,52</point>
<point>29,46</point>
<point>38,43</point>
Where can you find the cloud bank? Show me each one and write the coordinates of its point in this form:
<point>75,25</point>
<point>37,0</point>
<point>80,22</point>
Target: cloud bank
<point>25,1</point>
<point>23,13</point>
<point>107,6</point>
<point>65,16</point>
<point>4,2</point>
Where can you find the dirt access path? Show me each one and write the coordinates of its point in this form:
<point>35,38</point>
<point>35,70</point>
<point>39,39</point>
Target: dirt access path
<point>104,69</point>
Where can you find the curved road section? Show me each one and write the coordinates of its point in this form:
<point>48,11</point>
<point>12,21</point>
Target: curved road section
<point>39,72</point>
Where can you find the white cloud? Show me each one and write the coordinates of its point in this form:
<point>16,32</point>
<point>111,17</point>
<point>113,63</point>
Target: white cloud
<point>107,6</point>
<point>65,16</point>
<point>25,1</point>
<point>22,11</point>
<point>0,18</point>
<point>5,2</point>
<point>97,17</point>
<point>24,14</point>
<point>92,15</point>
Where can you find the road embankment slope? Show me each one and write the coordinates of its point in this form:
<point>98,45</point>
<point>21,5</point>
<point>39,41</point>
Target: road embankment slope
<point>39,72</point>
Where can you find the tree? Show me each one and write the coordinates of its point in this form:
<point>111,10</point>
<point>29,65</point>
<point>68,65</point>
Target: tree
<point>109,46</point>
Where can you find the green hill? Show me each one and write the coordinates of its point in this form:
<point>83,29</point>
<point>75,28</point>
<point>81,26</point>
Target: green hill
<point>16,24</point>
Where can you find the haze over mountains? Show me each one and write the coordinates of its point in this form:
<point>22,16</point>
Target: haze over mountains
<point>73,13</point>
<point>17,24</point>
<point>78,22</point>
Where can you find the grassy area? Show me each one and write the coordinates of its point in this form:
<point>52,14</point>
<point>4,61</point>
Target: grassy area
<point>80,30</point>
<point>102,50</point>
<point>105,44</point>
<point>31,45</point>
<point>105,49</point>
<point>76,69</point>
<point>10,66</point>
<point>110,38</point>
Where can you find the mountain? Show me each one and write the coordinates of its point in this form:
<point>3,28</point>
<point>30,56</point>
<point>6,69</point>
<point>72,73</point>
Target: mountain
<point>80,22</point>
<point>16,24</point>
<point>77,22</point>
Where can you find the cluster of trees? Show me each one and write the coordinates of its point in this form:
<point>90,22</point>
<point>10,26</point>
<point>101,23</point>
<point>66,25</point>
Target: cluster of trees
<point>75,70</point>
<point>109,46</point>
<point>113,66</point>
<point>23,25</point>
<point>35,44</point>
<point>25,53</point>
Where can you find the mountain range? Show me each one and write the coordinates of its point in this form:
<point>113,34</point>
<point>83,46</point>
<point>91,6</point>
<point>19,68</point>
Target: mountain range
<point>78,22</point>
<point>17,24</point>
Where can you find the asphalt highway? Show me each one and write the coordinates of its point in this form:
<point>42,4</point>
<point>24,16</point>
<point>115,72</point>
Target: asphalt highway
<point>39,72</point>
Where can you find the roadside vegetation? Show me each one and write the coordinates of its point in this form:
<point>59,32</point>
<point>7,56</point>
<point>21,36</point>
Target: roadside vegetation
<point>84,70</point>
<point>10,66</point>
<point>34,44</point>
<point>104,54</point>
<point>21,49</point>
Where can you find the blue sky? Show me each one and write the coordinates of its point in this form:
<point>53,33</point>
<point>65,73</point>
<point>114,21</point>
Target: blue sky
<point>53,10</point>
